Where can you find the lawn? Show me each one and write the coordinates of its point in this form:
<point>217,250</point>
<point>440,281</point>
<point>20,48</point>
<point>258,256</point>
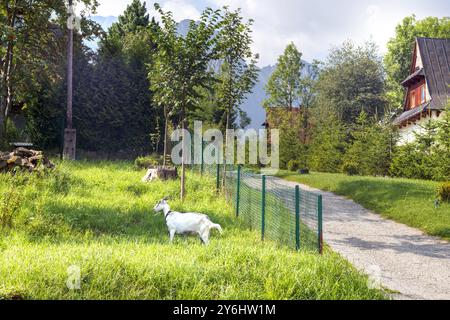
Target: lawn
<point>407,201</point>
<point>97,216</point>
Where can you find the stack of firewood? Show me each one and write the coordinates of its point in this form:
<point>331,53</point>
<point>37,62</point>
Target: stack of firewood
<point>24,159</point>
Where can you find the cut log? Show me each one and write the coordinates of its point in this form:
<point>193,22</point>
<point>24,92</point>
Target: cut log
<point>160,173</point>
<point>22,158</point>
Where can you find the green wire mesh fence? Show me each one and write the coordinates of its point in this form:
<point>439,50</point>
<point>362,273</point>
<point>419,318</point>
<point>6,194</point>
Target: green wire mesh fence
<point>285,214</point>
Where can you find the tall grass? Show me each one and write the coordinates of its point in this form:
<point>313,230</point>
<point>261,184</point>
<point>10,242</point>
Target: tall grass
<point>98,217</point>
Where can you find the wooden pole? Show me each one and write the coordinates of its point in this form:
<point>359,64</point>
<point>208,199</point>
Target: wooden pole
<point>69,132</point>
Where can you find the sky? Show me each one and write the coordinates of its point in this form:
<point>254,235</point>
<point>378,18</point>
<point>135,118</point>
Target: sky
<point>314,26</point>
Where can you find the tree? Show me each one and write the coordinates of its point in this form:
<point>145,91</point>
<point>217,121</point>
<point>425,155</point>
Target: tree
<point>397,60</point>
<point>352,81</point>
<point>181,67</point>
<point>370,148</point>
<point>238,71</point>
<point>328,145</point>
<point>291,128</point>
<point>32,33</point>
<point>442,147</point>
<point>285,84</point>
<point>287,87</point>
<point>115,111</point>
<point>417,159</point>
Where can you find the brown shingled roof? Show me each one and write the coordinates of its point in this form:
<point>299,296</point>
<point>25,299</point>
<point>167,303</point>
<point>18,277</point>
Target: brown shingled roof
<point>435,55</point>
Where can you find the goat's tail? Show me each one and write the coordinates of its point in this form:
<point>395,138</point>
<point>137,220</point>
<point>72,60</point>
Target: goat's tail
<point>217,227</point>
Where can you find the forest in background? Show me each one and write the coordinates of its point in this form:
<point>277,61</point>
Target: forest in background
<point>121,103</point>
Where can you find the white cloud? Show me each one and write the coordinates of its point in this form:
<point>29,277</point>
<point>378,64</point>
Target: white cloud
<point>112,7</point>
<point>181,9</point>
<point>314,26</point>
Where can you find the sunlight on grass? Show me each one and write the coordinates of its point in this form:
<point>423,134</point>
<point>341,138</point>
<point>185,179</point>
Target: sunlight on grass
<point>98,216</point>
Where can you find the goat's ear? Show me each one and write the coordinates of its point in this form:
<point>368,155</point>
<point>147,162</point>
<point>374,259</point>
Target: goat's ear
<point>166,199</point>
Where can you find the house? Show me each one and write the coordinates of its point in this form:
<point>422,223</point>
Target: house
<point>427,87</point>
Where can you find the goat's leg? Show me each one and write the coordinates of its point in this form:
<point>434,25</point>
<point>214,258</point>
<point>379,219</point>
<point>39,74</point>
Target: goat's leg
<point>171,235</point>
<point>205,236</point>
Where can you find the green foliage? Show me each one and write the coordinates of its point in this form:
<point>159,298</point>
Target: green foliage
<point>285,89</point>
<point>397,61</point>
<point>132,20</point>
<point>442,147</point>
<point>285,85</point>
<point>443,192</point>
<point>33,49</point>
<point>428,156</point>
<point>369,151</point>
<point>148,161</point>
<point>114,105</point>
<point>328,146</point>
<point>238,72</point>
<point>290,124</point>
<point>295,165</point>
<point>352,81</point>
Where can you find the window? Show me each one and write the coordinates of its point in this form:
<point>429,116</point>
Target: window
<point>412,100</point>
<point>423,95</point>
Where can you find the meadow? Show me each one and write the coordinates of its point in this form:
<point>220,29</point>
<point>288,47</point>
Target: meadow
<point>97,216</point>
<point>408,201</point>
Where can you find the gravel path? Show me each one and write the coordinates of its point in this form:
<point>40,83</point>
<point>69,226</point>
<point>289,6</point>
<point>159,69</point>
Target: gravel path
<point>408,262</point>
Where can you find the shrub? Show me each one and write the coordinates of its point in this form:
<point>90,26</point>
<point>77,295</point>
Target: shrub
<point>294,165</point>
<point>350,168</point>
<point>148,161</point>
<point>327,146</point>
<point>443,192</point>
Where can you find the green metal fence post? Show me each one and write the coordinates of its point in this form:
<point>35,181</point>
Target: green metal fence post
<point>263,208</point>
<point>201,165</point>
<point>238,189</point>
<point>297,217</point>
<point>319,220</point>
<point>218,178</point>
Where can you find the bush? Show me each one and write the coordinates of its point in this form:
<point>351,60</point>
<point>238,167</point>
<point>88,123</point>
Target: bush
<point>327,146</point>
<point>146,162</point>
<point>443,192</point>
<point>294,165</point>
<point>411,162</point>
<point>350,168</point>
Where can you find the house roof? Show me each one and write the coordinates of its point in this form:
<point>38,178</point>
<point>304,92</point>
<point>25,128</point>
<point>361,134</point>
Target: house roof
<point>418,73</point>
<point>435,55</point>
<point>412,113</point>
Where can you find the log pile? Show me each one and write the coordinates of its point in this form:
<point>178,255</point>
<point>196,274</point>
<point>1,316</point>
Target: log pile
<point>160,173</point>
<point>24,159</point>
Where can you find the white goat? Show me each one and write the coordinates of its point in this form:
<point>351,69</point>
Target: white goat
<point>185,223</point>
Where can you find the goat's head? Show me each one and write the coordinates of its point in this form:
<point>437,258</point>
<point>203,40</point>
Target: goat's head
<point>160,205</point>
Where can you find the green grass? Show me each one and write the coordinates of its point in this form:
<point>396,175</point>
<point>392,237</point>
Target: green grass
<point>98,216</point>
<point>404,200</point>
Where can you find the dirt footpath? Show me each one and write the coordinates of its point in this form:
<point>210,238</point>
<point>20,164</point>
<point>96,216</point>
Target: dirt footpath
<point>407,261</point>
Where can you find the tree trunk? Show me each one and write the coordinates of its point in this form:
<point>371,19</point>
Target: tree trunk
<point>166,124</point>
<point>6,104</point>
<point>183,157</point>
<point>224,173</point>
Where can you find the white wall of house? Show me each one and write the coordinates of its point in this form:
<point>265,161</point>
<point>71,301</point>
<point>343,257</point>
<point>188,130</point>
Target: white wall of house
<point>407,134</point>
